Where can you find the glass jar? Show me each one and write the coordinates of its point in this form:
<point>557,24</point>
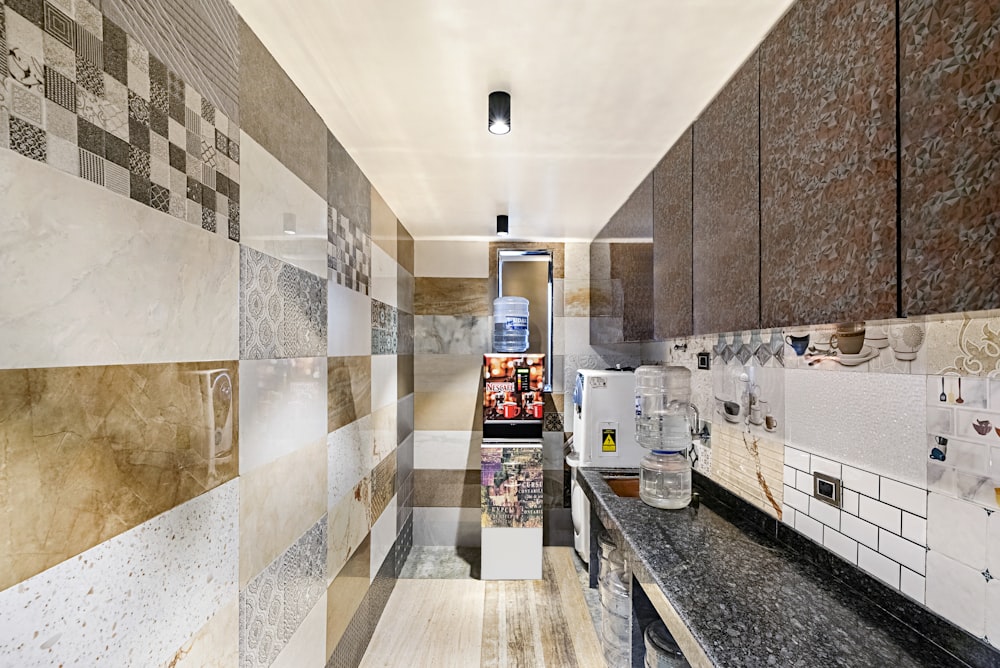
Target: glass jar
<point>665,479</point>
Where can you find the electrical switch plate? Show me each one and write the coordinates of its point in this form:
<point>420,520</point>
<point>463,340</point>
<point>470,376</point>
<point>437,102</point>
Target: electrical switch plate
<point>827,489</point>
<point>703,361</point>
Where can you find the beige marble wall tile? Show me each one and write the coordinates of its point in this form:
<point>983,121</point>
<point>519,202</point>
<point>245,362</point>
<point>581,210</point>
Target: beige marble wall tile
<point>384,225</point>
<point>383,484</point>
<point>404,248</point>
<point>452,450</point>
<point>459,259</point>
<point>350,519</point>
<point>435,488</point>
<point>452,296</point>
<point>384,382</point>
<point>576,297</point>
<point>384,432</point>
<point>451,335</point>
<point>70,250</point>
<point>349,381</point>
<point>346,593</point>
<point>290,130</point>
<point>279,502</point>
<point>215,645</point>
<point>750,466</point>
<point>307,646</point>
<point>454,372</point>
<point>577,261</point>
<point>448,411</point>
<point>91,452</point>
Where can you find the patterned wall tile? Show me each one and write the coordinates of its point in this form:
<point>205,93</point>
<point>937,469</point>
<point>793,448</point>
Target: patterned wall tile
<point>349,253</point>
<point>98,458</point>
<point>383,484</point>
<point>828,188</point>
<point>282,309</point>
<point>275,603</point>
<point>104,91</point>
<point>726,219</point>
<point>950,190</point>
<point>671,242</point>
<point>196,38</point>
<point>385,328</point>
<point>750,465</point>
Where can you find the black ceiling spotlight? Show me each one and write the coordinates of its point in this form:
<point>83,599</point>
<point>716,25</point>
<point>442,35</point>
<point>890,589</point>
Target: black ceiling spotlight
<point>499,112</point>
<point>502,229</point>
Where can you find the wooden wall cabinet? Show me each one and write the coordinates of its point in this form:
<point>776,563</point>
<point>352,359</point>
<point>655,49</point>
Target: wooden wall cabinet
<point>949,155</point>
<point>672,279</point>
<point>828,164</point>
<point>726,221</point>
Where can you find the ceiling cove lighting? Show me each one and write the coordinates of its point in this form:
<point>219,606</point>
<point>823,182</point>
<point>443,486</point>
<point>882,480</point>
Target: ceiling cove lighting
<point>502,229</point>
<point>499,112</point>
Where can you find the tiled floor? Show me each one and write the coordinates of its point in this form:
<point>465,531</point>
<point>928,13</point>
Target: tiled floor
<point>441,614</point>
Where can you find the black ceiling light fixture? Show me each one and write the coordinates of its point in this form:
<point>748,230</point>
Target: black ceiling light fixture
<point>499,112</point>
<point>502,228</point>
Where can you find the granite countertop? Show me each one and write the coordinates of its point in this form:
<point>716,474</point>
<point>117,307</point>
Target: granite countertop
<point>745,599</point>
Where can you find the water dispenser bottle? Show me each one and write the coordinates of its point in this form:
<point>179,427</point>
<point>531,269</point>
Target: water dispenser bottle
<point>663,424</point>
<point>510,325</point>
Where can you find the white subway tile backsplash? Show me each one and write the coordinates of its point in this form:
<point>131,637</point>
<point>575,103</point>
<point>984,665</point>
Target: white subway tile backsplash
<point>796,499</point>
<point>860,481</point>
<point>809,527</point>
<point>915,528</point>
<point>993,546</point>
<point>789,476</point>
<point>788,514</point>
<point>881,514</point>
<point>796,459</point>
<point>841,545</point>
<point>859,530</point>
<point>883,568</point>
<point>824,512</point>
<point>901,550</point>
<point>957,529</point>
<point>804,482</point>
<point>909,498</point>
<point>825,466</point>
<point>850,503</point>
<point>957,592</point>
<point>912,585</point>
<point>993,612</point>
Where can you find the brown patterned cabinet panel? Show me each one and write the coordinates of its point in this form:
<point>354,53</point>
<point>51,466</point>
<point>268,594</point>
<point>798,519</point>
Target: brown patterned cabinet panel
<point>828,163</point>
<point>621,272</point>
<point>950,127</point>
<point>672,241</point>
<point>726,220</point>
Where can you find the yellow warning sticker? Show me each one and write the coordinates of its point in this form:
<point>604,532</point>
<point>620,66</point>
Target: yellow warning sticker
<point>608,444</point>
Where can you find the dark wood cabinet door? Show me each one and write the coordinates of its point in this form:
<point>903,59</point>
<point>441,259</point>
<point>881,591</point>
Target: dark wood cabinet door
<point>672,242</point>
<point>621,272</point>
<point>949,109</point>
<point>726,233</point>
<point>828,164</point>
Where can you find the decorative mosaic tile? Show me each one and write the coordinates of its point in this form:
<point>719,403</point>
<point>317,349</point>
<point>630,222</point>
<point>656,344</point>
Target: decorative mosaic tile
<point>282,309</point>
<point>385,326</point>
<point>275,603</point>
<point>60,26</point>
<point>348,252</point>
<point>26,104</point>
<point>27,139</point>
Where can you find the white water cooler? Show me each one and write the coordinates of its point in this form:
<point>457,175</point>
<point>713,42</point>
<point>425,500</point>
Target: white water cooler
<point>603,436</point>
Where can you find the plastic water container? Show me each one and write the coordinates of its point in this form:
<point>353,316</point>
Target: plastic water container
<point>661,648</point>
<point>662,406</point>
<point>510,325</point>
<point>665,479</point>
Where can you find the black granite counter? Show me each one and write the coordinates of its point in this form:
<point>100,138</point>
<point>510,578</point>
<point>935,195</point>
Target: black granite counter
<point>749,599</point>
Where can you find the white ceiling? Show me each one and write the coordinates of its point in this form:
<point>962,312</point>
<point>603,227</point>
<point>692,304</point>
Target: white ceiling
<point>600,90</point>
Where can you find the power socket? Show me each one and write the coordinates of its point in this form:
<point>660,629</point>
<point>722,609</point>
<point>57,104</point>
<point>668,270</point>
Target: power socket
<point>704,361</point>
